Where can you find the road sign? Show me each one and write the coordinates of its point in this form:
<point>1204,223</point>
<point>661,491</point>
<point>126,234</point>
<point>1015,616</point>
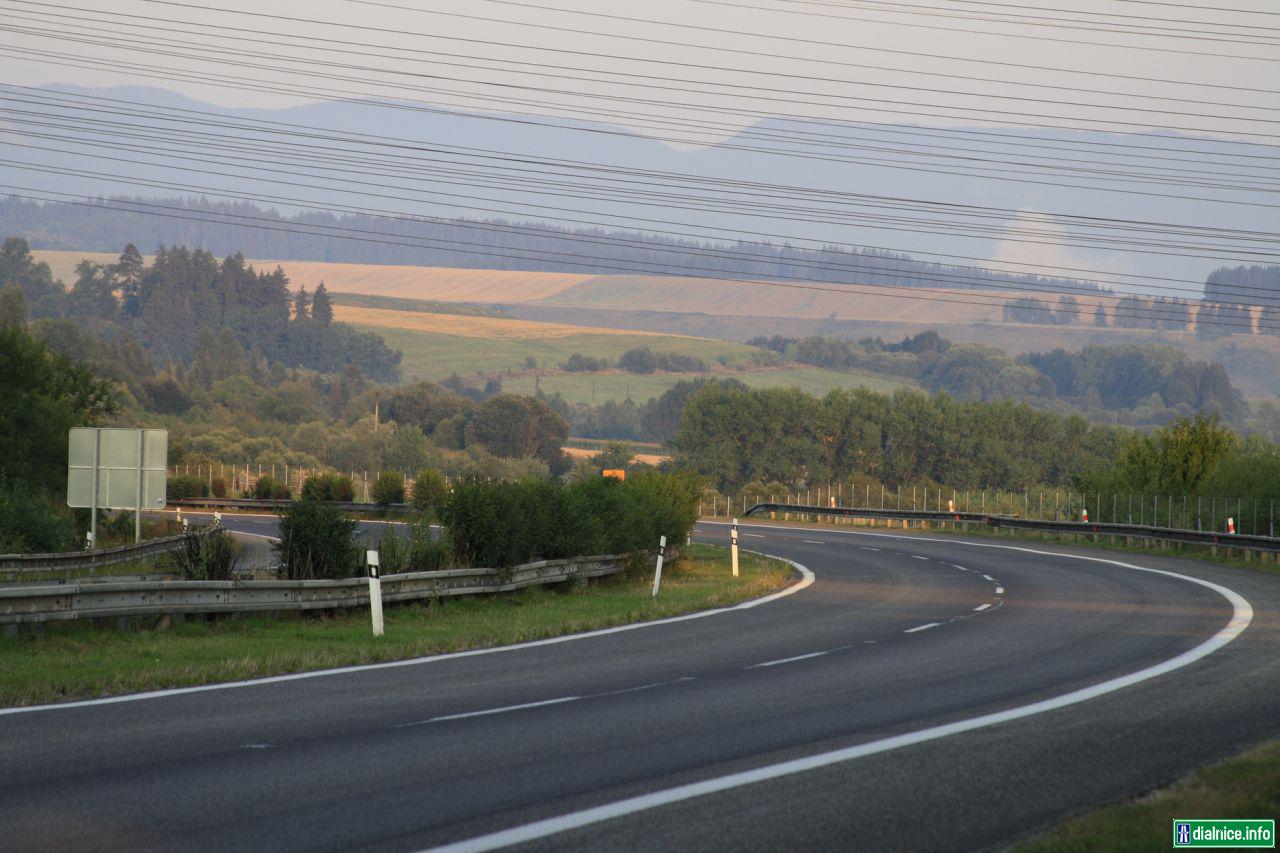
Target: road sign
<point>109,468</point>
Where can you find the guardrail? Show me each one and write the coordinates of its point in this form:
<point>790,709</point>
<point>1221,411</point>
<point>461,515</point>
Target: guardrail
<point>1261,544</point>
<point>40,604</point>
<point>16,565</point>
<point>272,505</point>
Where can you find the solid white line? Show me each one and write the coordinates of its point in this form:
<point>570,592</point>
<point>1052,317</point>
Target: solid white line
<point>924,627</point>
<point>806,580</point>
<point>1242,615</point>
<point>981,607</point>
<point>999,590</point>
<point>259,535</point>
<point>490,711</point>
<point>787,660</point>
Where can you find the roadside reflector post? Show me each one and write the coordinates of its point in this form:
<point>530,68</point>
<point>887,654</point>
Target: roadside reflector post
<point>375,593</point>
<point>217,519</point>
<point>1231,525</point>
<point>733,546</point>
<point>657,572</point>
<point>1084,515</point>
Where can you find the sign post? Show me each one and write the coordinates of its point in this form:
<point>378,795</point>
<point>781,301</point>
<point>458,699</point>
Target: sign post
<point>657,574</point>
<point>733,546</point>
<point>375,593</point>
<point>116,469</point>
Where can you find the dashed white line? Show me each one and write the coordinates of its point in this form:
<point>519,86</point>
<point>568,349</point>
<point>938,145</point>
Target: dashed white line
<point>812,542</point>
<point>865,548</point>
<point>924,627</point>
<point>754,535</point>
<point>999,590</point>
<point>961,568</point>
<point>787,660</point>
<point>981,607</point>
<point>490,711</point>
<point>918,557</point>
<point>989,578</point>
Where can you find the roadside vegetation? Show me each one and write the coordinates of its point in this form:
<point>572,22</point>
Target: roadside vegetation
<point>76,660</point>
<point>1246,786</point>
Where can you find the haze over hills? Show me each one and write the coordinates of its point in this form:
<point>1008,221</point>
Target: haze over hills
<point>866,174</point>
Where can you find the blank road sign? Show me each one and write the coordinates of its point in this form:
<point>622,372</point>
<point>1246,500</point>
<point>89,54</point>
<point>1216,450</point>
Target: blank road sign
<point>122,454</point>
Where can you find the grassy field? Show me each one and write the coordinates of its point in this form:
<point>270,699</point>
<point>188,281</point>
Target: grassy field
<point>617,385</point>
<point>1247,786</point>
<point>76,660</point>
<point>433,355</point>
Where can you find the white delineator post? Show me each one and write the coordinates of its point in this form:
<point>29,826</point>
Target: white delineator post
<point>1084,515</point>
<point>375,593</point>
<point>657,573</point>
<point>1231,525</point>
<point>733,546</point>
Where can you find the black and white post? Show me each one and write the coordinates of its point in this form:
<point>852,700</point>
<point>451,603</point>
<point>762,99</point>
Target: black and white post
<point>375,593</point>
<point>657,572</point>
<point>733,546</point>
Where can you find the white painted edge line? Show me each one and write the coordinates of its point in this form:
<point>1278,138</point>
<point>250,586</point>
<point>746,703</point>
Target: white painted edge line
<point>1241,617</point>
<point>924,627</point>
<point>490,711</point>
<point>787,660</point>
<point>259,535</point>
<point>806,580</point>
<point>981,607</point>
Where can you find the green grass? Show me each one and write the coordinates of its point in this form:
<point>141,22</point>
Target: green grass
<point>429,355</point>
<point>1247,786</point>
<point>76,660</point>
<point>617,385</point>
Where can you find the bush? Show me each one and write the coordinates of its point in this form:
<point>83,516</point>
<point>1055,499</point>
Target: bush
<point>269,488</point>
<point>430,492</point>
<point>219,487</point>
<point>209,557</point>
<point>316,541</point>
<point>499,525</point>
<point>388,488</point>
<point>188,486</point>
<point>32,522</point>
<point>328,487</point>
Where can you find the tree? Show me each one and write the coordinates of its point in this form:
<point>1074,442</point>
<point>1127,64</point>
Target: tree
<point>1100,317</point>
<point>322,306</point>
<point>13,306</point>
<point>638,360</point>
<point>430,492</point>
<point>301,304</point>
<point>127,273</point>
<point>388,488</point>
<point>521,427</point>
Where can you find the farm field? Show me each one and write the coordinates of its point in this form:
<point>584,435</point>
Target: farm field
<point>434,355</point>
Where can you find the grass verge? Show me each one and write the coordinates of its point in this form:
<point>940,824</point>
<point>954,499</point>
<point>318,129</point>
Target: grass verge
<point>76,660</point>
<point>1247,786</point>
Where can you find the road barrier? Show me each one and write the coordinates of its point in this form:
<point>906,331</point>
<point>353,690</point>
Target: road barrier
<point>53,603</point>
<point>277,505</point>
<point>14,566</point>
<point>1259,544</point>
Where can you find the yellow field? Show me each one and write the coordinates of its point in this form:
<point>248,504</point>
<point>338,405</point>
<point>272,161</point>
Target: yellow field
<point>471,327</point>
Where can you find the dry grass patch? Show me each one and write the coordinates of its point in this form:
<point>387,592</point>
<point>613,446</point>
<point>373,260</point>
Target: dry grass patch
<point>469,326</point>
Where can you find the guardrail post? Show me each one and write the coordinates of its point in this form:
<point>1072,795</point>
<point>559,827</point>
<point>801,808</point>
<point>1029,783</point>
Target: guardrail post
<point>375,593</point>
<point>733,546</point>
<point>657,572</point>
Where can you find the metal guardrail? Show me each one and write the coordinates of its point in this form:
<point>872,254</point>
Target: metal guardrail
<point>15,565</point>
<point>273,505</point>
<point>39,604</point>
<point>1264,544</point>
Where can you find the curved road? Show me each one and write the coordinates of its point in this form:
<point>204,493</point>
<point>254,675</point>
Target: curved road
<point>888,705</point>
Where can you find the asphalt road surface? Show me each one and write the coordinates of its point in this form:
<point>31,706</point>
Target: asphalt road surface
<point>918,695</point>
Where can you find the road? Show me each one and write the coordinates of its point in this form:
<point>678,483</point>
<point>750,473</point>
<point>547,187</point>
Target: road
<point>891,705</point>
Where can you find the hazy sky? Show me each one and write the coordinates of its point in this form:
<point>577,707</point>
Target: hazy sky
<point>820,39</point>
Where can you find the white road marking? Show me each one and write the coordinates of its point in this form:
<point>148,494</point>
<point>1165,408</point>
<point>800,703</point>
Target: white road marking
<point>754,535</point>
<point>981,607</point>
<point>813,542</point>
<point>918,557</point>
<point>787,660</point>
<point>1242,616</point>
<point>924,627</point>
<point>989,578</point>
<point>999,590</point>
<point>256,746</point>
<point>506,709</point>
<point>961,568</point>
<point>865,548</point>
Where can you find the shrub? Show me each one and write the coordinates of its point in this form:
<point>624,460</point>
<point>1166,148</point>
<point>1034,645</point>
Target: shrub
<point>269,488</point>
<point>188,486</point>
<point>388,488</point>
<point>430,492</point>
<point>219,487</point>
<point>32,522</point>
<point>328,487</point>
<point>316,541</point>
<point>209,557</point>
